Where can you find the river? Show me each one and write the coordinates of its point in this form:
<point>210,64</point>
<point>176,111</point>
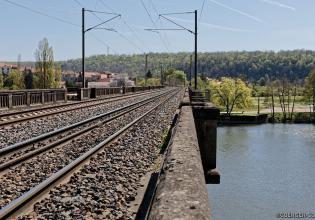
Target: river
<point>265,170</point>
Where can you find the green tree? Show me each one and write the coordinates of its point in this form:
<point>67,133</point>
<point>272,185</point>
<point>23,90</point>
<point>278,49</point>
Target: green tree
<point>249,66</point>
<point>45,65</point>
<point>16,80</point>
<point>310,84</point>
<point>57,79</point>
<point>140,82</point>
<point>153,82</point>
<point>175,78</point>
<point>1,79</point>
<point>148,82</point>
<point>230,93</point>
<point>310,90</point>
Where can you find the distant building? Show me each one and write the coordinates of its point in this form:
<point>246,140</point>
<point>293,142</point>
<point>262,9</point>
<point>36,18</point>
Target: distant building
<point>70,76</point>
<point>96,79</point>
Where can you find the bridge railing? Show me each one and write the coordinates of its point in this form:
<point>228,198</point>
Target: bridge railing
<point>91,93</point>
<point>19,98</point>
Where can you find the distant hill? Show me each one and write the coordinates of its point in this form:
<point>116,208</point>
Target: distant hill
<point>252,65</point>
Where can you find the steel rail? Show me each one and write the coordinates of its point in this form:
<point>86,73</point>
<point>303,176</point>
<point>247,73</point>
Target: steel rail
<point>106,100</point>
<point>13,206</point>
<point>67,104</point>
<point>35,152</point>
<point>41,137</point>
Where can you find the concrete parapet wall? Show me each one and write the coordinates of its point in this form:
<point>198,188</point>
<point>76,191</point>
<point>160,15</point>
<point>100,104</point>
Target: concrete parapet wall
<point>20,98</point>
<point>181,192</point>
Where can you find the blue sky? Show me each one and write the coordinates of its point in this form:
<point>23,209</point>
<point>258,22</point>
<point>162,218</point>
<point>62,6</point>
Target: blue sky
<point>225,25</point>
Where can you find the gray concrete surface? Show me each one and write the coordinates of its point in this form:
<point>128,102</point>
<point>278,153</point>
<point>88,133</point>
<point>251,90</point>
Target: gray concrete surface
<point>181,191</point>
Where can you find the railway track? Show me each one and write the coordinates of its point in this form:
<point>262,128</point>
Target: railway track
<point>25,115</point>
<point>17,153</point>
<point>24,130</point>
<point>29,195</point>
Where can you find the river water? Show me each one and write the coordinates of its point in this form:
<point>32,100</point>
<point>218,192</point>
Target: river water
<point>265,170</point>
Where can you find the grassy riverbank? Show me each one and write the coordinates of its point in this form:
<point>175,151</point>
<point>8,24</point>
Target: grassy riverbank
<point>297,117</point>
<point>244,118</point>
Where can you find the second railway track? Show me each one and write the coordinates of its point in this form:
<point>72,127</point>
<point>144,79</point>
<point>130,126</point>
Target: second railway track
<point>24,115</point>
<point>17,153</point>
<point>24,130</point>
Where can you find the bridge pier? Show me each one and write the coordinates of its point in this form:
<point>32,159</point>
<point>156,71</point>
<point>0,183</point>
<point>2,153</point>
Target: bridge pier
<point>206,118</point>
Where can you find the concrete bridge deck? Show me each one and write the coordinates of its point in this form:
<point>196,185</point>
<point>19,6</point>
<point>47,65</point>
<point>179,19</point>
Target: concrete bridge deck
<point>190,163</point>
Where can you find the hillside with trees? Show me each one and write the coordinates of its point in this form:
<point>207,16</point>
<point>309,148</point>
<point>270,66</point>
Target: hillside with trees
<point>253,66</point>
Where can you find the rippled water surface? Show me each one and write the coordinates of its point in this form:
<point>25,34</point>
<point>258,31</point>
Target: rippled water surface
<point>265,170</point>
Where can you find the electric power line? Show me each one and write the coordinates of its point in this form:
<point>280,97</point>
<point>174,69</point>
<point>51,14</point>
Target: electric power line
<point>130,41</point>
<point>161,24</point>
<point>133,32</point>
<point>151,19</point>
<point>106,6</point>
<point>120,34</point>
<point>135,35</point>
<point>202,7</point>
<point>102,42</point>
<point>93,35</point>
<point>42,13</point>
<point>79,3</point>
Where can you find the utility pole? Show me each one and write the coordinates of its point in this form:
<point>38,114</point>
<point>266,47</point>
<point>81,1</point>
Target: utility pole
<point>146,65</point>
<point>107,50</point>
<point>196,58</point>
<point>314,102</point>
<point>190,70</point>
<point>161,73</point>
<point>181,28</point>
<point>83,49</point>
<point>89,29</point>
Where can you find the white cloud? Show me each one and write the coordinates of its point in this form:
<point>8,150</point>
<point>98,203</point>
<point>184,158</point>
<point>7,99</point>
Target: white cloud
<point>279,4</point>
<point>237,11</point>
<point>220,27</point>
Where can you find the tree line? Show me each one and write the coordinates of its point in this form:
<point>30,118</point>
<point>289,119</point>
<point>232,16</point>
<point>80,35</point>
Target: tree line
<point>234,93</point>
<point>252,66</point>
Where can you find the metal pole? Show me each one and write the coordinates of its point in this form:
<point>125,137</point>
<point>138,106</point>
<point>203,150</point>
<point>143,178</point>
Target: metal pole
<point>196,37</point>
<point>190,70</point>
<point>161,74</point>
<point>146,64</point>
<point>314,102</point>
<point>83,50</point>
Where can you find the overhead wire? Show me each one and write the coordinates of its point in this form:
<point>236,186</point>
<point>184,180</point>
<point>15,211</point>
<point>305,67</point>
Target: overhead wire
<point>201,11</point>
<point>154,24</point>
<point>117,32</point>
<point>93,35</point>
<point>132,31</point>
<point>57,19</point>
<point>42,13</point>
<point>161,24</point>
